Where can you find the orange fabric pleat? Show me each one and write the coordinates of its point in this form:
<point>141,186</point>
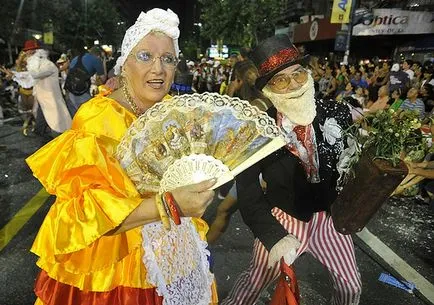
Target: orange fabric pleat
<point>51,292</point>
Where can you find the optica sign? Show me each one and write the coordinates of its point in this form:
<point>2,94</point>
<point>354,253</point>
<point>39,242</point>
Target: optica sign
<point>386,20</point>
<point>395,22</point>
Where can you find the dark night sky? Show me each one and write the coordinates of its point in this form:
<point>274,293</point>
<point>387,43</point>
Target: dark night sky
<point>185,9</point>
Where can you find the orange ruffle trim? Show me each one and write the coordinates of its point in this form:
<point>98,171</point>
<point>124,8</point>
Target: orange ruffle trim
<point>51,292</point>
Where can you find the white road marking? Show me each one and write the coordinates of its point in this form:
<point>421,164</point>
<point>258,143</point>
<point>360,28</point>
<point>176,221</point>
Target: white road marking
<point>398,264</point>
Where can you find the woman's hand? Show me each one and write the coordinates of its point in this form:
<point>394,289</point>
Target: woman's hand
<point>414,166</point>
<point>194,199</point>
<point>191,199</point>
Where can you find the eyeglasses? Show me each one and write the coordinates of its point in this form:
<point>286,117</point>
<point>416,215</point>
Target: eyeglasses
<point>292,81</point>
<point>167,60</point>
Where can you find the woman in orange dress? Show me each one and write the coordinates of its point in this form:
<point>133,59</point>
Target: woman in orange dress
<point>90,243</point>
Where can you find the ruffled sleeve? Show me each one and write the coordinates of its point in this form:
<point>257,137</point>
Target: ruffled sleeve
<point>94,195</point>
<point>24,79</point>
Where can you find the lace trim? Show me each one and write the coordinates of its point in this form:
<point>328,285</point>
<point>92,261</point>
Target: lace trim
<point>192,169</point>
<point>177,263</point>
<point>213,102</point>
<point>159,20</point>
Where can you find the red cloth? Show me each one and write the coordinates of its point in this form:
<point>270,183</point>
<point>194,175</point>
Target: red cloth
<point>286,292</point>
<point>305,135</point>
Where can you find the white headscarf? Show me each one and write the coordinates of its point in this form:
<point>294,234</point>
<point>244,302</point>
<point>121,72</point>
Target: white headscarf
<point>154,20</point>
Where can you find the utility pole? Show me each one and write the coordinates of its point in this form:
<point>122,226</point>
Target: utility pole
<point>350,32</point>
<point>34,24</point>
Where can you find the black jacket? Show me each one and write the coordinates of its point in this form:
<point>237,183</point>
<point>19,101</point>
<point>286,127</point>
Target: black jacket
<point>287,185</point>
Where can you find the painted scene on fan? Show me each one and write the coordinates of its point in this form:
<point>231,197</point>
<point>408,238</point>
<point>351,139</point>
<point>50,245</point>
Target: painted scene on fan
<point>228,132</point>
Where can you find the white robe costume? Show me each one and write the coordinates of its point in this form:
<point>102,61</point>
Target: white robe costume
<point>47,91</point>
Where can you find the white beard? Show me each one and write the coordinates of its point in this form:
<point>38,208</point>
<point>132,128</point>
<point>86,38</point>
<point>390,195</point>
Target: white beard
<point>298,106</point>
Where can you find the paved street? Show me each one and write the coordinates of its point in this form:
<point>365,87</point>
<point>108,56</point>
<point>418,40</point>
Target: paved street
<point>404,225</point>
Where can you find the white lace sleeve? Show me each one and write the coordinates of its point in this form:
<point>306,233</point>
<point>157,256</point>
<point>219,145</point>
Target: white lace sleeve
<point>177,263</point>
<point>24,79</point>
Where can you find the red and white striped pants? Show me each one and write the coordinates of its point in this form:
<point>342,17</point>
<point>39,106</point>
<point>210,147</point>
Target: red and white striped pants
<point>318,237</point>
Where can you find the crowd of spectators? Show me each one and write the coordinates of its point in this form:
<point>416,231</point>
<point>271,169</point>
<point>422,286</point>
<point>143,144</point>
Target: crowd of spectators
<point>375,86</point>
<point>368,86</point>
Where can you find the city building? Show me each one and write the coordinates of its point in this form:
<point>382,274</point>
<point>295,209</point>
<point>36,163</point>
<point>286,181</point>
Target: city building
<point>393,28</point>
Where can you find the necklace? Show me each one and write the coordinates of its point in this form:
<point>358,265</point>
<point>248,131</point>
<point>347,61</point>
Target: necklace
<point>129,99</point>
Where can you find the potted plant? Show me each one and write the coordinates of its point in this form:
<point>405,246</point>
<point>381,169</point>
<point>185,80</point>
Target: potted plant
<point>372,165</point>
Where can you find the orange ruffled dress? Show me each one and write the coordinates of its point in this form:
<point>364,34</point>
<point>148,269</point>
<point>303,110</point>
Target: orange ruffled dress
<point>79,264</point>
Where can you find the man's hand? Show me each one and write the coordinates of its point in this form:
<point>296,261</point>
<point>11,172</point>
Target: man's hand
<point>286,248</point>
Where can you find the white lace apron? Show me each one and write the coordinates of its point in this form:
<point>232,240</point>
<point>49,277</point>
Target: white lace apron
<point>177,263</point>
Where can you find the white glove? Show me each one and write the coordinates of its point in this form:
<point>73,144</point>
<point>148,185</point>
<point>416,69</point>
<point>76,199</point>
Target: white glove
<point>286,248</point>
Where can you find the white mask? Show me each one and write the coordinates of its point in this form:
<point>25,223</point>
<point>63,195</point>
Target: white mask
<point>298,106</point>
<point>34,62</point>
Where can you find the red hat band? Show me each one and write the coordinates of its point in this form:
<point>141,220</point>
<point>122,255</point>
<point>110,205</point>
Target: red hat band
<point>278,59</point>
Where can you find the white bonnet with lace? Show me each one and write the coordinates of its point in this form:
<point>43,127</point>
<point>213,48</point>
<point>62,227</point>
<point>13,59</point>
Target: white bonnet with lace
<point>157,20</point>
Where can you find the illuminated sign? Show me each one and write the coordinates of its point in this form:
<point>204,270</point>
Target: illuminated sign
<point>214,52</point>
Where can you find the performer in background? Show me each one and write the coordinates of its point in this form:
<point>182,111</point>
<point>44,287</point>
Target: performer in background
<point>291,216</point>
<point>26,105</point>
<point>48,94</point>
<point>39,82</point>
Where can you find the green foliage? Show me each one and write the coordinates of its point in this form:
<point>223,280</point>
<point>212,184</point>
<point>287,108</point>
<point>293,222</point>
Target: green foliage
<point>189,47</point>
<point>8,12</point>
<point>391,135</point>
<point>71,28</point>
<point>241,22</point>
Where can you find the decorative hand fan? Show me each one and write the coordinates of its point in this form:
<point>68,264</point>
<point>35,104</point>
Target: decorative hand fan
<point>190,138</point>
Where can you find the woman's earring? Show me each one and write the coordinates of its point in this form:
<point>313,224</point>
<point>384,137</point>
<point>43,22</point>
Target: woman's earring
<point>123,79</point>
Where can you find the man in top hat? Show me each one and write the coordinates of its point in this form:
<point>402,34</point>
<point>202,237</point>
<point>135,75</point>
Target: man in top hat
<point>291,217</point>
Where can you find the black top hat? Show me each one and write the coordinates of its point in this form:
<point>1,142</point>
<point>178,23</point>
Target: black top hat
<point>273,55</point>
